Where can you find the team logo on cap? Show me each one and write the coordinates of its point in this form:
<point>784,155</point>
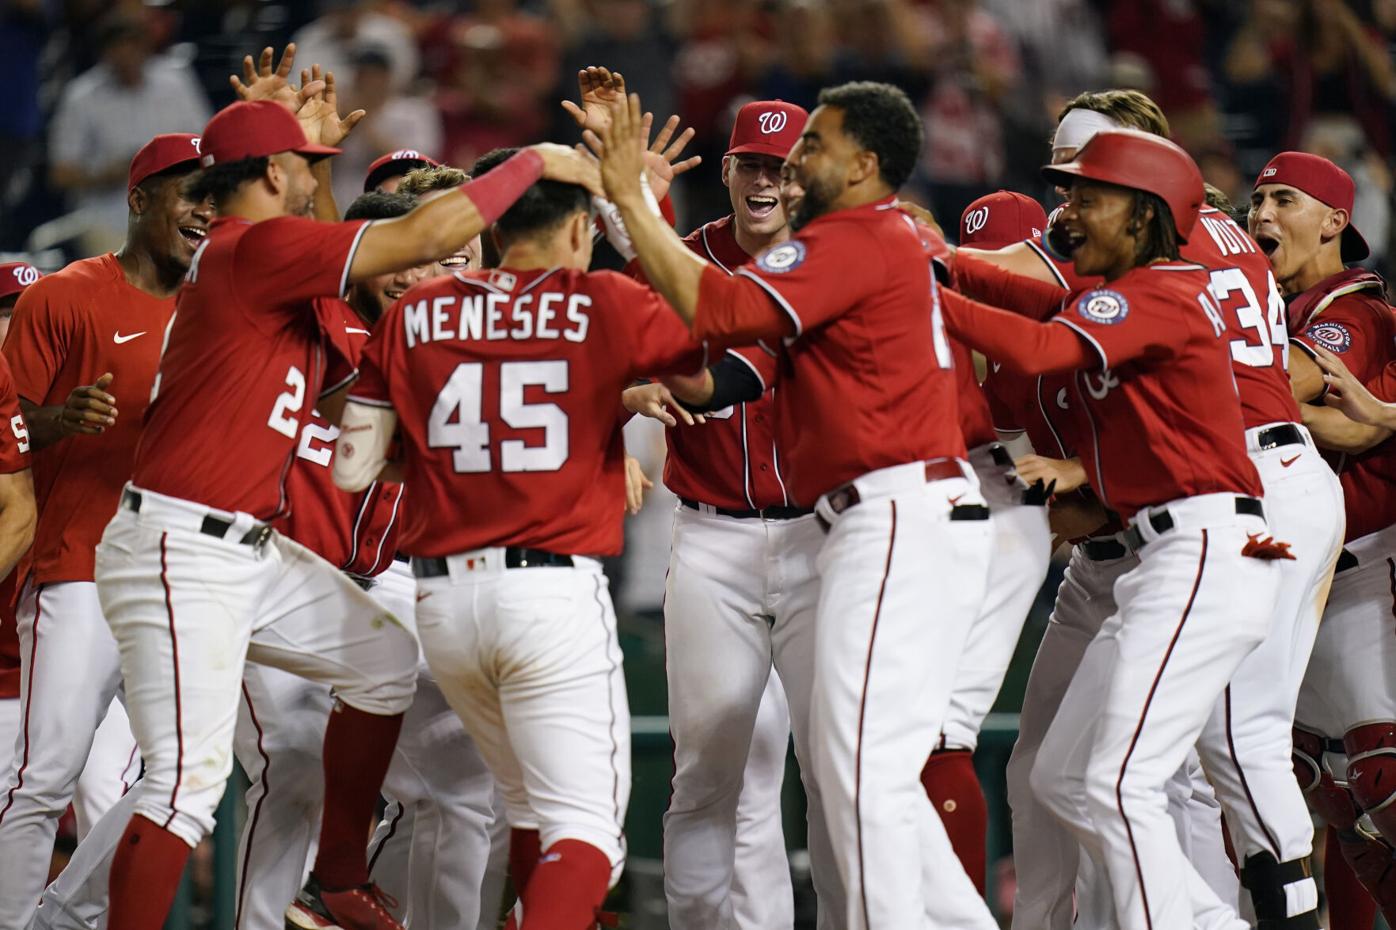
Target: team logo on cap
<point>772,121</point>
<point>26,275</point>
<point>785,257</point>
<point>976,220</point>
<point>406,153</point>
<point>1103,306</point>
<point>1269,172</point>
<point>1332,336</point>
<point>195,142</point>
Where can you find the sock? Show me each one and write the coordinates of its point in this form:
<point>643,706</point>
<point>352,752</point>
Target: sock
<point>358,748</point>
<point>1350,907</point>
<point>567,888</point>
<point>145,874</point>
<point>954,790</point>
<point>525,849</point>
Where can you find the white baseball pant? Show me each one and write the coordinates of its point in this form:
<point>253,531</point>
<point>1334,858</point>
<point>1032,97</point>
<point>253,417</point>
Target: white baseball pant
<point>1186,618</point>
<point>1022,549</point>
<point>189,609</point>
<point>528,657</point>
<point>739,650</point>
<point>900,585</point>
<point>69,679</point>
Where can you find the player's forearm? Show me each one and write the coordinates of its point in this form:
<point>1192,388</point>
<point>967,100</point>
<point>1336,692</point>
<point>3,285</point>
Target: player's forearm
<point>18,516</point>
<point>44,424</point>
<point>1332,429</point>
<point>1017,343</point>
<point>361,452</point>
<point>980,275</point>
<point>324,206</point>
<point>733,310</point>
<point>670,267</point>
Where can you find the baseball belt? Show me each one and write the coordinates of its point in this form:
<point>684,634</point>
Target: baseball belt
<point>1286,434</point>
<point>514,557</point>
<point>762,513</point>
<point>1162,521</point>
<point>212,526</point>
<point>846,496</point>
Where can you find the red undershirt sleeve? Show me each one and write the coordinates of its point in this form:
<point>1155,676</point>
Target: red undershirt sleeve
<point>735,311</point>
<point>998,287</point>
<point>1022,345</point>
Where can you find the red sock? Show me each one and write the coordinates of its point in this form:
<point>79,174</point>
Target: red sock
<point>525,849</point>
<point>1350,907</point>
<point>145,874</point>
<point>954,790</point>
<point>358,748</point>
<point>567,888</point>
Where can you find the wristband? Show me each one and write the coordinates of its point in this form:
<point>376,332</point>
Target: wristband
<point>497,190</point>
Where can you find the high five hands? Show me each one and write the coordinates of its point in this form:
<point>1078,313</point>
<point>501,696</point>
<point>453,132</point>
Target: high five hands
<point>315,102</point>
<point>601,89</point>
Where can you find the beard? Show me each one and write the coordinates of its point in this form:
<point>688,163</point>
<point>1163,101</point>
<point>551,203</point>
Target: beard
<point>818,198</point>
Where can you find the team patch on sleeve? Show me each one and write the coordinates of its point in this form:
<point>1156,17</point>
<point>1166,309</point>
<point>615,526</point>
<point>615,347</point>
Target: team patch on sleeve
<point>1332,336</point>
<point>785,257</point>
<point>1103,306</point>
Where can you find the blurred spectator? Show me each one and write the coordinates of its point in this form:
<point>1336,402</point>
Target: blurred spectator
<point>1217,159</point>
<point>23,29</point>
<point>1177,76</point>
<point>880,40</point>
<point>804,54</point>
<point>974,69</point>
<point>345,26</point>
<point>109,112</point>
<point>394,121</point>
<point>1063,47</point>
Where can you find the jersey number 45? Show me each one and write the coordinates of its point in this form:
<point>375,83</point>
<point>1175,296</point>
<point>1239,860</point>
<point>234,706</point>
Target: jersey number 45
<point>458,420</point>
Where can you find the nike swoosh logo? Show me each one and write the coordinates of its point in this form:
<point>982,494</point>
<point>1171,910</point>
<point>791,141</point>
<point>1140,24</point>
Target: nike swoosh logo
<point>1285,463</point>
<point>350,329</point>
<point>120,339</point>
<point>422,597</point>
<point>954,500</point>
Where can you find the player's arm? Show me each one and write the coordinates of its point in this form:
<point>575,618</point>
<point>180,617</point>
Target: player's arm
<point>88,411</point>
<point>361,452</point>
<point>1305,376</point>
<point>1017,343</point>
<point>443,224</point>
<point>1019,259</point>
<point>979,275</point>
<point>18,516</point>
<point>1061,475</point>
<point>1355,419</point>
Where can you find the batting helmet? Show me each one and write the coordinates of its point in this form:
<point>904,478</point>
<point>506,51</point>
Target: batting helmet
<point>1143,162</point>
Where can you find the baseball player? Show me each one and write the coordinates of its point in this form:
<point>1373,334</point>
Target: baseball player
<point>492,377</point>
<point>1346,718</point>
<point>387,171</point>
<point>1160,662</point>
<point>739,596</point>
<point>1017,567</point>
<point>906,525</point>
<point>78,340</point>
<point>190,572</point>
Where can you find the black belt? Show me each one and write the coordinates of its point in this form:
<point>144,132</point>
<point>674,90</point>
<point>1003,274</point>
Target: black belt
<point>763,513</point>
<point>1162,521</point>
<point>1104,550</point>
<point>514,557</point>
<point>401,557</point>
<point>212,526</point>
<point>846,496</point>
<point>1346,560</point>
<point>1286,434</point>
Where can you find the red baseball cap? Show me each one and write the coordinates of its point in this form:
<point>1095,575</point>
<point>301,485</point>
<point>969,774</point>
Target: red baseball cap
<point>255,129</point>
<point>16,276</point>
<point>164,152</point>
<point>1001,218</point>
<point>1324,181</point>
<point>767,127</point>
<point>399,162</point>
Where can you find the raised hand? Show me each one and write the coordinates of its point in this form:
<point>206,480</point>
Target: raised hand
<point>319,111</point>
<point>1350,395</point>
<point>661,159</point>
<point>597,88</point>
<point>621,145</point>
<point>261,82</point>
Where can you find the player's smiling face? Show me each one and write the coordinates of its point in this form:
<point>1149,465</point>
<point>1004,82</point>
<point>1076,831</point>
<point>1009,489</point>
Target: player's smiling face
<point>300,183</point>
<point>177,224</point>
<point>467,259</point>
<point>1290,227</point>
<point>372,298</point>
<point>753,181</point>
<point>791,193</point>
<point>1096,221</point>
<point>820,162</point>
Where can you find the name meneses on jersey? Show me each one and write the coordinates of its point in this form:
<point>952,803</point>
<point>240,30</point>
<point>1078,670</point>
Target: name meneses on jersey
<point>497,316</point>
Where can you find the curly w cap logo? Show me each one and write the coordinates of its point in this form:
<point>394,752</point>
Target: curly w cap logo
<point>405,153</point>
<point>975,220</point>
<point>773,121</point>
<point>195,142</point>
<point>26,275</point>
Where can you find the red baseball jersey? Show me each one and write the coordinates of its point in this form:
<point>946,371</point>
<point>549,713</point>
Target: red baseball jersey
<point>67,330</point>
<point>1244,287</point>
<point>14,457</point>
<point>1348,315</point>
<point>356,532</point>
<point>1162,412</point>
<point>868,347</point>
<point>505,384</point>
<point>246,359</point>
<point>731,461</point>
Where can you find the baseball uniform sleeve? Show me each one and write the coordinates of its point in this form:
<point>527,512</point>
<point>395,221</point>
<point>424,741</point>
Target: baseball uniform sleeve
<point>1348,329</point>
<point>41,330</point>
<point>1122,326</point>
<point>760,360</point>
<point>820,274</point>
<point>1383,386</point>
<point>372,387</point>
<point>658,344</point>
<point>14,434</point>
<point>1021,345</point>
<point>983,280</point>
<point>290,259</point>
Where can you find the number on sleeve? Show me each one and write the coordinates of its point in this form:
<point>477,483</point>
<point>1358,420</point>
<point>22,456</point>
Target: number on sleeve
<point>288,404</point>
<point>462,398</point>
<point>1267,324</point>
<point>21,431</point>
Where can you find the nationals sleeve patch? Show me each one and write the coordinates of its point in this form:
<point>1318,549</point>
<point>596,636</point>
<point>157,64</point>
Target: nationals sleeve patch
<point>785,257</point>
<point>1103,306</point>
<point>1332,336</point>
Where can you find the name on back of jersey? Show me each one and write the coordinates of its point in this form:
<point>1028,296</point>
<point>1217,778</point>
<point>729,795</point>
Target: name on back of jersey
<point>490,317</point>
